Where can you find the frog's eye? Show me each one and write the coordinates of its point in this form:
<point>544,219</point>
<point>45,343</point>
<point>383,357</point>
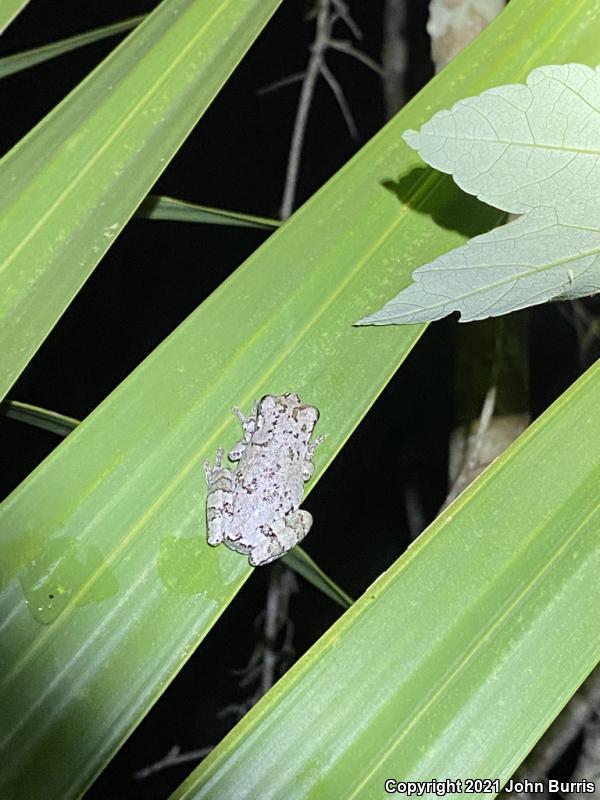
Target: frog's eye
<point>267,403</point>
<point>307,414</point>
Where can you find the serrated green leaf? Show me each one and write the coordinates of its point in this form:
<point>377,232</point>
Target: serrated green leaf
<point>454,662</point>
<point>518,147</point>
<point>29,58</point>
<point>544,255</point>
<point>9,10</point>
<point>533,149</point>
<point>168,208</point>
<point>70,186</point>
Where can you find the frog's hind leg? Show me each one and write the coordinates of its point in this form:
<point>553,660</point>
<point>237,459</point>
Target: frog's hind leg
<point>278,539</point>
<point>219,501</point>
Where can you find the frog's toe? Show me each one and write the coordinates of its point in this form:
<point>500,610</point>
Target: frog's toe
<point>298,524</point>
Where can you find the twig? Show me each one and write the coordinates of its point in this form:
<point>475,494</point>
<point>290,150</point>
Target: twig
<point>282,585</point>
<point>304,103</point>
<point>173,758</point>
<point>327,13</point>
<point>343,46</point>
<point>341,100</point>
<point>342,12</point>
<point>281,82</point>
<point>271,656</point>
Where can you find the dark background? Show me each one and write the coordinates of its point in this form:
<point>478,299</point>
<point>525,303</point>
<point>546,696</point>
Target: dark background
<point>158,272</point>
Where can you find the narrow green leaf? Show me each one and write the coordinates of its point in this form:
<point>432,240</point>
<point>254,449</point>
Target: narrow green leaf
<point>518,147</point>
<point>299,560</point>
<point>115,515</point>
<point>29,58</point>
<point>545,255</point>
<point>490,619</point>
<point>39,417</point>
<point>163,207</point>
<point>9,10</point>
<point>69,187</point>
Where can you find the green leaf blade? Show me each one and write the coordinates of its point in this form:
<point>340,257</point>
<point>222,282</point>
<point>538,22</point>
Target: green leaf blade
<point>9,10</point>
<point>30,58</point>
<point>69,187</point>
<point>133,510</point>
<point>42,418</point>
<point>298,560</point>
<point>127,542</point>
<point>161,207</point>
<point>491,614</point>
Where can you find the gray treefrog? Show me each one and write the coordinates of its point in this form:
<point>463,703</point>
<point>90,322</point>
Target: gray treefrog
<point>254,508</point>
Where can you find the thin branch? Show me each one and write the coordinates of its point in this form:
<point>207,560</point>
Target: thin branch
<point>279,84</point>
<point>173,758</point>
<point>327,13</point>
<point>273,653</point>
<point>304,103</point>
<point>281,586</point>
<point>346,47</point>
<point>338,93</point>
<point>342,12</point>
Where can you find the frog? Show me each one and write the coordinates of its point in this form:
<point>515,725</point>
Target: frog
<point>254,508</point>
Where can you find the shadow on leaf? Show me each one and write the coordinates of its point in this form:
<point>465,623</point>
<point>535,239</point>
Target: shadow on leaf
<point>429,192</point>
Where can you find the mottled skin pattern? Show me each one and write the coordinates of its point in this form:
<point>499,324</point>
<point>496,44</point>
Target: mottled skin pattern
<point>254,509</point>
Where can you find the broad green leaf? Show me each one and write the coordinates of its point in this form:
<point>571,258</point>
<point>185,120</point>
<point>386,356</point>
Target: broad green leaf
<point>115,515</point>
<point>453,663</point>
<point>29,58</point>
<point>9,10</point>
<point>544,255</point>
<point>39,417</point>
<point>69,187</point>
<point>506,147</point>
<point>518,147</point>
<point>168,208</point>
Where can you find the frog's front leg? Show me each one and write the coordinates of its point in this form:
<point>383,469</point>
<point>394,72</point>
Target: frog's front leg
<point>308,465</point>
<point>219,501</point>
<point>249,426</point>
<point>281,537</point>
